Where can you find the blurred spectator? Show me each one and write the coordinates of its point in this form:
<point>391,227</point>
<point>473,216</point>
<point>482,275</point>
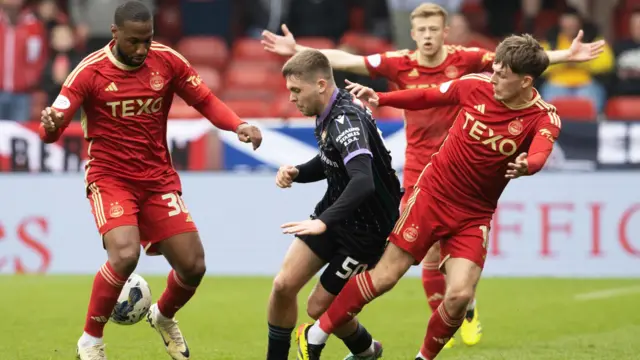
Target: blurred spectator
<point>400,11</point>
<point>576,79</point>
<point>264,15</point>
<point>376,17</point>
<point>461,34</point>
<point>50,14</point>
<point>23,40</point>
<point>93,19</point>
<point>628,59</point>
<point>501,16</point>
<point>62,61</point>
<point>207,17</point>
<point>326,18</point>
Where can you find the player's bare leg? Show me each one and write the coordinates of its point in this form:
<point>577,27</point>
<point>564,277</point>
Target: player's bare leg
<point>359,291</point>
<point>185,254</point>
<point>462,277</point>
<point>123,250</point>
<point>355,336</point>
<point>299,266</point>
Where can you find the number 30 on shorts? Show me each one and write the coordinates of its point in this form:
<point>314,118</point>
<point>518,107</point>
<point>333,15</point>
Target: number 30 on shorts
<point>175,203</point>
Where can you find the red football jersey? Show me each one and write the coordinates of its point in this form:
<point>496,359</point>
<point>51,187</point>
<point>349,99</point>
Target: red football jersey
<point>125,112</point>
<point>469,169</point>
<point>426,129</point>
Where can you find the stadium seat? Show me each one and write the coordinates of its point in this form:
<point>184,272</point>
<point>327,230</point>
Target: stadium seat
<point>316,42</point>
<point>623,108</point>
<point>284,108</point>
<point>252,49</point>
<point>181,111</point>
<point>270,65</point>
<point>250,108</point>
<point>575,108</point>
<point>210,76</point>
<point>243,93</point>
<point>365,44</point>
<point>204,50</point>
<point>254,79</point>
<point>388,113</point>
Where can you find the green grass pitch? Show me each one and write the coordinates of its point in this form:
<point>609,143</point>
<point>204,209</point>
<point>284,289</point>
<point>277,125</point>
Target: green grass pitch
<point>42,318</point>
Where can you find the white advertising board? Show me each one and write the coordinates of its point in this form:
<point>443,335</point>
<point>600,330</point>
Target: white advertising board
<point>562,225</point>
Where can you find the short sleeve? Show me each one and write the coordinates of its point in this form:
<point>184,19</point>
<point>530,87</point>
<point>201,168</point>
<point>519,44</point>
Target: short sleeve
<point>385,65</point>
<point>187,83</point>
<point>75,89</point>
<point>481,58</point>
<point>349,136</point>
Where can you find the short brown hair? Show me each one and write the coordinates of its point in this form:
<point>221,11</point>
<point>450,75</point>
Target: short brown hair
<point>425,10</point>
<point>523,55</point>
<point>307,65</point>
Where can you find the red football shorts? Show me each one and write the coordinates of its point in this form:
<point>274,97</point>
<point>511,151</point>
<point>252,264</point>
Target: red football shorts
<point>158,215</point>
<point>426,220</point>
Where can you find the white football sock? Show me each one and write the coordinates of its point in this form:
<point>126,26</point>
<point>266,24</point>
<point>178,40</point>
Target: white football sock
<point>317,336</point>
<point>370,351</point>
<point>158,314</point>
<point>472,305</point>
<point>87,340</point>
<point>420,356</point>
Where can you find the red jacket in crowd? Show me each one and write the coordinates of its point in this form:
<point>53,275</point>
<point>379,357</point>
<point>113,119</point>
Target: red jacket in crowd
<point>23,52</point>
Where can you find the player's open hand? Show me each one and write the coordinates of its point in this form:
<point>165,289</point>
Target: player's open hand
<point>51,119</point>
<point>580,51</point>
<point>520,167</point>
<point>306,227</point>
<point>362,93</point>
<point>249,134</point>
<point>285,176</point>
<point>281,45</point>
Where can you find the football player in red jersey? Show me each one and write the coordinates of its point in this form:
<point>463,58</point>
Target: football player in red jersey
<point>503,130</point>
<point>431,64</point>
<point>125,91</point>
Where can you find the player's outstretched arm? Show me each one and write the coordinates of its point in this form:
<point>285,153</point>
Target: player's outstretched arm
<point>286,45</point>
<point>419,99</point>
<point>578,52</point>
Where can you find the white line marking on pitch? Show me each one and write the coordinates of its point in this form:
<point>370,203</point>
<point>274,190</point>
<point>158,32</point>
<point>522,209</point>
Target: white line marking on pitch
<point>609,293</point>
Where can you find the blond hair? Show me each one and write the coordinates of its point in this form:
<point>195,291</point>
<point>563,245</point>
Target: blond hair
<point>426,10</point>
<point>307,65</point>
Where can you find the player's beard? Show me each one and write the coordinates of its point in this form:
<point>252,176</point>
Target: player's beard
<point>125,59</point>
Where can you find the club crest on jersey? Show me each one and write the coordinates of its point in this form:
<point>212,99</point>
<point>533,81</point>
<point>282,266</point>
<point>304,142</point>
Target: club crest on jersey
<point>515,127</point>
<point>156,81</point>
<point>411,233</point>
<point>451,72</point>
<point>116,210</point>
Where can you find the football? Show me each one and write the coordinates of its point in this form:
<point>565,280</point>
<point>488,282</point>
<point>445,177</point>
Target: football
<point>134,301</point>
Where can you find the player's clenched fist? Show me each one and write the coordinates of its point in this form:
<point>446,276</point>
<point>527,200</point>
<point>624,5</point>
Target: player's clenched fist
<point>286,175</point>
<point>249,133</point>
<point>51,119</point>
<point>363,93</point>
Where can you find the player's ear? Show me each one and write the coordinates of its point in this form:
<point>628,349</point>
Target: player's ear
<point>114,30</point>
<point>322,85</point>
<point>527,81</point>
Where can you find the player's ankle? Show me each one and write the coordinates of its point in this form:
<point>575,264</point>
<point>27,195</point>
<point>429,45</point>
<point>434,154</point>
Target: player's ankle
<point>87,340</point>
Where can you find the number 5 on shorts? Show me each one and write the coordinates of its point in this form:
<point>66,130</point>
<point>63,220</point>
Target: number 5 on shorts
<point>176,203</point>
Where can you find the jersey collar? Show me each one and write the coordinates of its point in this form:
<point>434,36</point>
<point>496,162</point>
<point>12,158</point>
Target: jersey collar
<point>327,110</point>
<point>116,62</point>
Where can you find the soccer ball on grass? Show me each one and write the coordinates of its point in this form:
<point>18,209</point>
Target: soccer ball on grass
<point>134,301</point>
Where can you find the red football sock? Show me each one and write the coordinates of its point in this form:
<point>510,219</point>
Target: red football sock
<point>357,293</point>
<point>434,284</point>
<point>440,329</point>
<point>104,295</point>
<point>175,295</point>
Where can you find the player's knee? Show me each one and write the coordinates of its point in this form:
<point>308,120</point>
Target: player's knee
<point>317,305</point>
<point>283,286</point>
<point>194,271</point>
<point>459,296</point>
<point>383,281</point>
<point>125,259</point>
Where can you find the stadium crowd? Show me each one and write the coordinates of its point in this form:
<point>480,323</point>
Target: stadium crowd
<point>43,40</point>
